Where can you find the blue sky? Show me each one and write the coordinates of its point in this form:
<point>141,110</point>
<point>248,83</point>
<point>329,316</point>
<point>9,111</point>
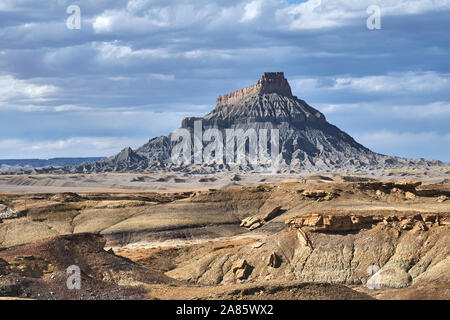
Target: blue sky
<point>137,67</point>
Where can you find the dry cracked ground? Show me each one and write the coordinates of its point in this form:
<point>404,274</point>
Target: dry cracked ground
<point>319,237</point>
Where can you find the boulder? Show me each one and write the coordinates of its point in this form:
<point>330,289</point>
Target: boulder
<point>314,193</point>
<point>272,214</point>
<point>241,269</point>
<point>242,274</point>
<point>248,222</point>
<point>7,212</point>
<point>409,195</point>
<point>407,224</point>
<point>393,278</point>
<point>252,223</point>
<point>256,225</point>
<point>257,221</point>
<point>239,264</point>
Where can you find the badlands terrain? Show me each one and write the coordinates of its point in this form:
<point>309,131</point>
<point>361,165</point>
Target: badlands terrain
<point>226,236</point>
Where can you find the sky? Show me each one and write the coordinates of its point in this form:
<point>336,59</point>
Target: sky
<point>134,69</point>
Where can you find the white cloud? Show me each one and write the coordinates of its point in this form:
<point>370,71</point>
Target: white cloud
<point>141,16</point>
<point>98,143</point>
<point>252,10</point>
<point>155,76</point>
<point>315,14</point>
<point>396,82</point>
<point>11,89</point>
<point>114,51</point>
<point>439,109</point>
<point>74,146</point>
<point>407,82</point>
<point>103,23</point>
<point>334,108</point>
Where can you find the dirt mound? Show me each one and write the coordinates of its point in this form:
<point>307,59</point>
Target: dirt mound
<point>4,267</point>
<point>294,291</point>
<point>66,197</point>
<point>39,270</point>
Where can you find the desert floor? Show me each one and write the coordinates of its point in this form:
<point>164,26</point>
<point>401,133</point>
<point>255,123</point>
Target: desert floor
<point>227,236</point>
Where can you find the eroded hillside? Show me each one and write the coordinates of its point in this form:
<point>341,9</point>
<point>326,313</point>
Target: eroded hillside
<point>393,236</point>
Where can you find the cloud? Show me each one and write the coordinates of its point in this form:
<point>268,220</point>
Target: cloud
<point>148,16</point>
<point>15,89</point>
<point>46,108</point>
<point>316,14</point>
<point>430,110</point>
<point>252,10</point>
<point>156,76</point>
<point>333,108</point>
<point>396,82</point>
<point>84,146</point>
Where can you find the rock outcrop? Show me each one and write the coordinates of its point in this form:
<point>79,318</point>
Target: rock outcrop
<point>270,82</point>
<point>7,212</point>
<point>343,221</point>
<point>241,269</point>
<point>254,222</point>
<point>406,186</point>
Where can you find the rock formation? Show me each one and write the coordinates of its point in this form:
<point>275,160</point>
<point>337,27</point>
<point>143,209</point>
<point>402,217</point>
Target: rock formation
<point>254,222</point>
<point>306,141</point>
<point>7,212</point>
<point>270,82</point>
<point>348,221</point>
